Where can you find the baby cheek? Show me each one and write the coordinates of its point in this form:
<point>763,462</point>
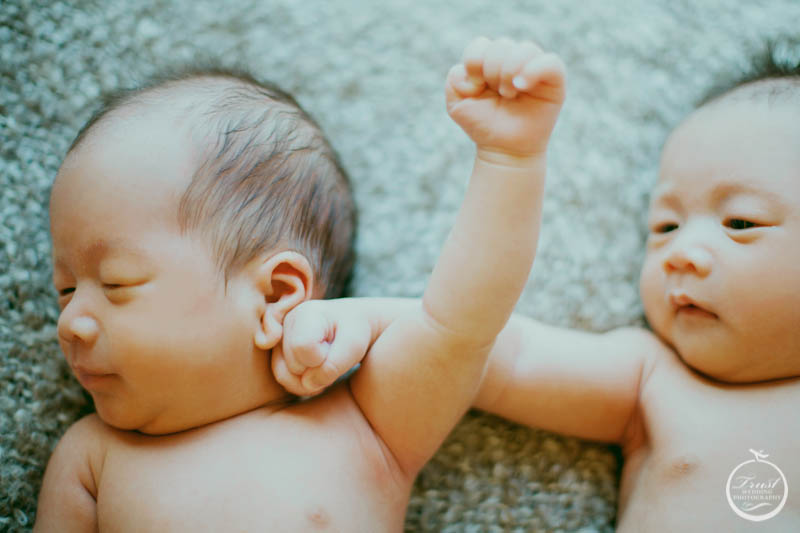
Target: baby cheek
<point>651,291</point>
<point>200,302</point>
<point>647,282</point>
<point>767,303</point>
<point>190,298</point>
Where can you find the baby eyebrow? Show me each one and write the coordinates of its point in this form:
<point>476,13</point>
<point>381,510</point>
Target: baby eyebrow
<point>99,249</point>
<point>668,199</point>
<point>724,192</point>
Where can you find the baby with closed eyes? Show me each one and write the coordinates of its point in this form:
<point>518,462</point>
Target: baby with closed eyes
<point>188,220</point>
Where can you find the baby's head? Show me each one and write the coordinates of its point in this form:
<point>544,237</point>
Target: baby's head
<point>188,218</point>
<point>721,277</point>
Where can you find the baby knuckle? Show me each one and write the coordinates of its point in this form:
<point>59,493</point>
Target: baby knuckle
<point>330,370</point>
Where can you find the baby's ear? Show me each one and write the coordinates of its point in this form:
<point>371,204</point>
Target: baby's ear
<point>285,280</point>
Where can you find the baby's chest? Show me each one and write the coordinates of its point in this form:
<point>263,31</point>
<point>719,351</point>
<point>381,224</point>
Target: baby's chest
<point>694,425</point>
<point>247,483</point>
<point>695,440</point>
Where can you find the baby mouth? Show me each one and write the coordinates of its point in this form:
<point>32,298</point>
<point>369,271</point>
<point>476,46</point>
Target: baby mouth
<point>693,310</point>
<point>686,306</point>
<point>91,379</point>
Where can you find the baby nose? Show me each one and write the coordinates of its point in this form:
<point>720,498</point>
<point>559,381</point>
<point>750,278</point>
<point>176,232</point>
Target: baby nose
<point>77,327</point>
<point>688,258</point>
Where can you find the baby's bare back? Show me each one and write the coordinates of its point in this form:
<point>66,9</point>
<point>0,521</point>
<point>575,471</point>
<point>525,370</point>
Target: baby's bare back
<point>690,435</point>
<point>315,466</point>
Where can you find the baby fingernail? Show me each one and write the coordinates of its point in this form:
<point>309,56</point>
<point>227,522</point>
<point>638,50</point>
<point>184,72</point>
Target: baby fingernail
<point>519,82</point>
<point>507,93</point>
<point>466,87</point>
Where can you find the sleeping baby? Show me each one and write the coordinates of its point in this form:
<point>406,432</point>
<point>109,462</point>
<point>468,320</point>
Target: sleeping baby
<point>188,220</point>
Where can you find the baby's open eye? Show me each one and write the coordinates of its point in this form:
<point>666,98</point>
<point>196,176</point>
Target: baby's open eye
<point>664,227</point>
<point>740,223</point>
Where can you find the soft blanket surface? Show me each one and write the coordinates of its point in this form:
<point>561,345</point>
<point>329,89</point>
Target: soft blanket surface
<point>372,73</point>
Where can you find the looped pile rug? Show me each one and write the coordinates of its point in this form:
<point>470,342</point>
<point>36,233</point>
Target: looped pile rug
<point>372,73</point>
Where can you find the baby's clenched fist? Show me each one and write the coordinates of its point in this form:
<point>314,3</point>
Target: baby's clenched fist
<point>321,342</point>
<point>506,95</point>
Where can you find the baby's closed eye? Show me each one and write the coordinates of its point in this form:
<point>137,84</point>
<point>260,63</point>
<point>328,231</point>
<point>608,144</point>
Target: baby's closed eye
<point>65,291</point>
<point>121,291</point>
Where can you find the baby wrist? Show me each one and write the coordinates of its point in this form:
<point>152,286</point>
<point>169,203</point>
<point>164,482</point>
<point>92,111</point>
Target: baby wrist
<point>498,157</point>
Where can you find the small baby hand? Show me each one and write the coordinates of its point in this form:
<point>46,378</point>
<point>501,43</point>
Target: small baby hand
<point>319,345</point>
<point>506,95</point>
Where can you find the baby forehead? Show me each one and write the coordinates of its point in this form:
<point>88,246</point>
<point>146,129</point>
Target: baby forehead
<point>154,127</point>
<point>765,109</point>
<point>738,136</point>
<point>175,108</point>
<point>741,118</point>
<point>170,133</point>
<point>217,113</point>
<point>139,160</point>
<point>190,103</point>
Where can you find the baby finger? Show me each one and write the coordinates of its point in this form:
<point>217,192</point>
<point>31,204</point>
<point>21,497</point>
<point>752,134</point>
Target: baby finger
<point>283,376</point>
<point>518,56</point>
<point>543,77</point>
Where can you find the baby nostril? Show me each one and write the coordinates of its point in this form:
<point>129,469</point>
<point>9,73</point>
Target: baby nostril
<point>84,327</point>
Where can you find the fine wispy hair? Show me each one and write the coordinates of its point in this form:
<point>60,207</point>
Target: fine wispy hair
<point>777,61</point>
<point>267,178</point>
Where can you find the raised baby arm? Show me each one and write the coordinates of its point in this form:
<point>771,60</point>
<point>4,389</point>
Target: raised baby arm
<point>423,372</point>
<point>572,382</point>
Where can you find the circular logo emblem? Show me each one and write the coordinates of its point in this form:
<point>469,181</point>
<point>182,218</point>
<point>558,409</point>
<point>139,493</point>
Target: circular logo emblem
<point>757,489</point>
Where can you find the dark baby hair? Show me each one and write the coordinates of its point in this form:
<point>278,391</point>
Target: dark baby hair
<point>778,60</point>
<point>267,178</point>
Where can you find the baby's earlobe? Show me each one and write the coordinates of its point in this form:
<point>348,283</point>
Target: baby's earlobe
<point>261,341</point>
<point>270,329</point>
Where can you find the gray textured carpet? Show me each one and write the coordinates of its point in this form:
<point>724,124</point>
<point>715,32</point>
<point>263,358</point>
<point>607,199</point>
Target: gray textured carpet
<point>372,73</point>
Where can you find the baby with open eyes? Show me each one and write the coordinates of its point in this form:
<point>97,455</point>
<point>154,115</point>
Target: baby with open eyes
<point>188,220</point>
<point>704,406</point>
